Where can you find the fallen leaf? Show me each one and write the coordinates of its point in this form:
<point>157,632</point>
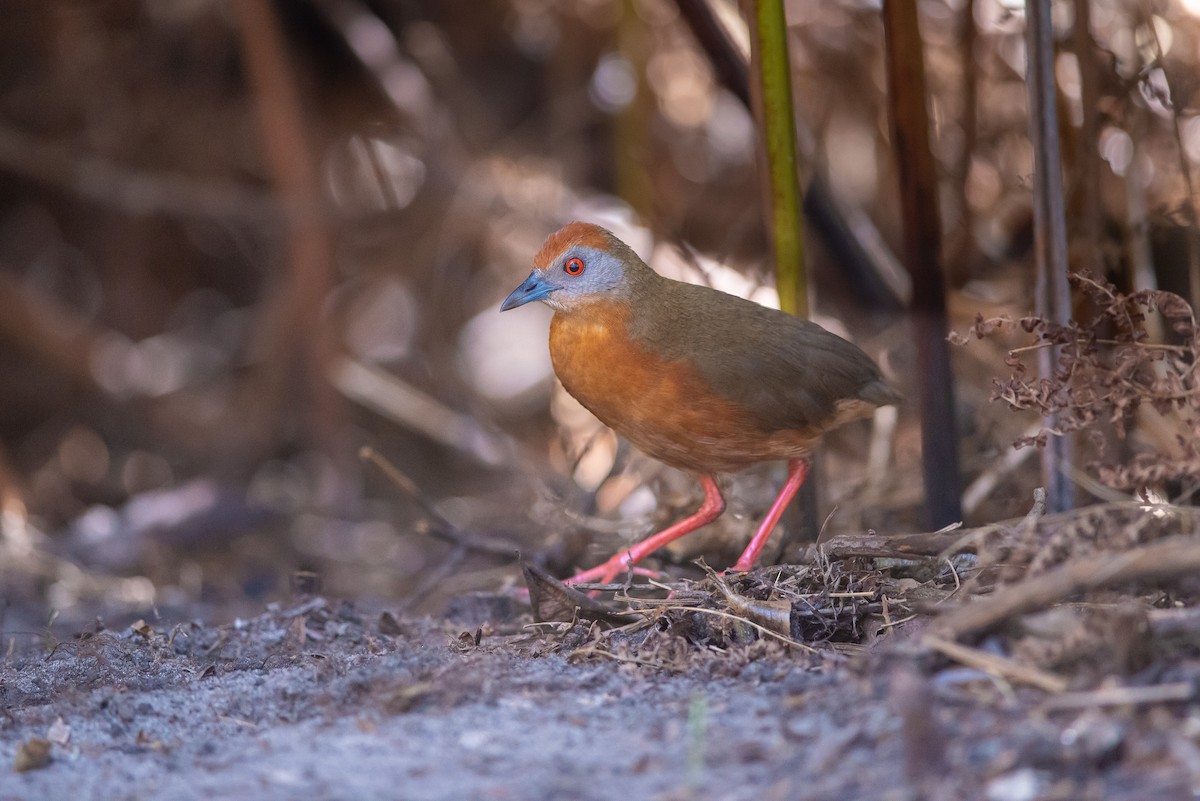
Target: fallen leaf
<point>32,755</point>
<point>553,601</point>
<point>389,625</point>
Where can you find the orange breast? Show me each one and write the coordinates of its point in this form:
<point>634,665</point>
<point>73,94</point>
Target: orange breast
<point>662,406</point>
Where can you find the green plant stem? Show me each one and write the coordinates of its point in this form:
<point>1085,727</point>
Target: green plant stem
<point>771,75</point>
<point>778,126</point>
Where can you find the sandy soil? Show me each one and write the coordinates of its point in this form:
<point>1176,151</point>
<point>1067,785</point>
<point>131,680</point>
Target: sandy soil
<point>323,701</point>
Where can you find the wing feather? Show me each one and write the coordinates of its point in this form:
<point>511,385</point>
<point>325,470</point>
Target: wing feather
<point>788,372</point>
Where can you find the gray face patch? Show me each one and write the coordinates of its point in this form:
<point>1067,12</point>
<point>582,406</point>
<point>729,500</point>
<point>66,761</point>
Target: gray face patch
<point>602,272</point>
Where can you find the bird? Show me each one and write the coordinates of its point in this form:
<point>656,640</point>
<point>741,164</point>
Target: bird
<point>698,379</point>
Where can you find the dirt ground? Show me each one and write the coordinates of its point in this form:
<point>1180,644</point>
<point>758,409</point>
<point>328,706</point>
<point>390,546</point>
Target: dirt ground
<point>323,700</point>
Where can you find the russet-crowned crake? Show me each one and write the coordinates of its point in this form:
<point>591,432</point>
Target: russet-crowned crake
<point>696,378</point>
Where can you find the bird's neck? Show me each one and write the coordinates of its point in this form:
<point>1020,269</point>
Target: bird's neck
<point>592,320</point>
<point>593,356</point>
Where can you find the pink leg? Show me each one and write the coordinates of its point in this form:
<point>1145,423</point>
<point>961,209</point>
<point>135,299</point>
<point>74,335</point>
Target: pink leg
<point>797,472</point>
<point>709,511</point>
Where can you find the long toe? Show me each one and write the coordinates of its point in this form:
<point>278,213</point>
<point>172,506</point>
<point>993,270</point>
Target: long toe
<point>604,573</point>
<point>740,567</point>
<point>609,572</point>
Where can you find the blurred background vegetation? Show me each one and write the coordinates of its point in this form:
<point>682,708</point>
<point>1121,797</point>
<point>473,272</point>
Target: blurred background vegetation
<point>241,240</point>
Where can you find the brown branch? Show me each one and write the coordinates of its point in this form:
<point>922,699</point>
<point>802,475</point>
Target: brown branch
<point>289,322</point>
<point>921,545</point>
<point>1166,560</point>
<point>136,192</point>
<point>997,665</point>
<point>54,332</point>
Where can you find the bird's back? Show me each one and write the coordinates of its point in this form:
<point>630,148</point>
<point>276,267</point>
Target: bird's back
<point>707,381</point>
<point>790,372</point>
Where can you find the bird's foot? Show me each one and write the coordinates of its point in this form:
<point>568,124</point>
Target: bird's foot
<point>741,566</point>
<point>607,572</point>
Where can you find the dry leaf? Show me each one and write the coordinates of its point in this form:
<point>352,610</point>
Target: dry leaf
<point>32,755</point>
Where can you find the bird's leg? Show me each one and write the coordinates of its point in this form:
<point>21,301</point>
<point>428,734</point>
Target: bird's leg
<point>709,511</point>
<point>797,472</point>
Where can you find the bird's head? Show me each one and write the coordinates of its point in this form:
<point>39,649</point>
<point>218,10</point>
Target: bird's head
<point>579,264</point>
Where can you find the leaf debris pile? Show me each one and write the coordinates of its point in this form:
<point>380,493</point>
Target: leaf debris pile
<point>1057,602</point>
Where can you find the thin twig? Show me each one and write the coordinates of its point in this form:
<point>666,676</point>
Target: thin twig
<point>983,485</point>
<point>894,546</point>
<point>139,192</point>
<point>434,577</point>
<point>762,629</point>
<point>441,527</point>
<point>1182,691</point>
<point>997,665</point>
<point>1185,349</point>
<point>398,400</point>
<point>631,660</point>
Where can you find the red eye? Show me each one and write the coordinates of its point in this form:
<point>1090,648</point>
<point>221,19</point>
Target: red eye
<point>573,267</point>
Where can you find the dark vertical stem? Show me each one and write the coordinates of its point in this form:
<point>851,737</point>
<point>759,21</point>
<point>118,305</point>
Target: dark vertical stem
<point>968,36</point>
<point>1192,239</point>
<point>1053,298</point>
<point>1088,156</point>
<point>728,64</point>
<point>291,336</point>
<point>922,251</point>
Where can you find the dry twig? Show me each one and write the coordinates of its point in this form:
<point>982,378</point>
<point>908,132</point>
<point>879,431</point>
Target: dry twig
<point>1165,560</point>
<point>440,526</point>
<point>1180,692</point>
<point>997,665</point>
